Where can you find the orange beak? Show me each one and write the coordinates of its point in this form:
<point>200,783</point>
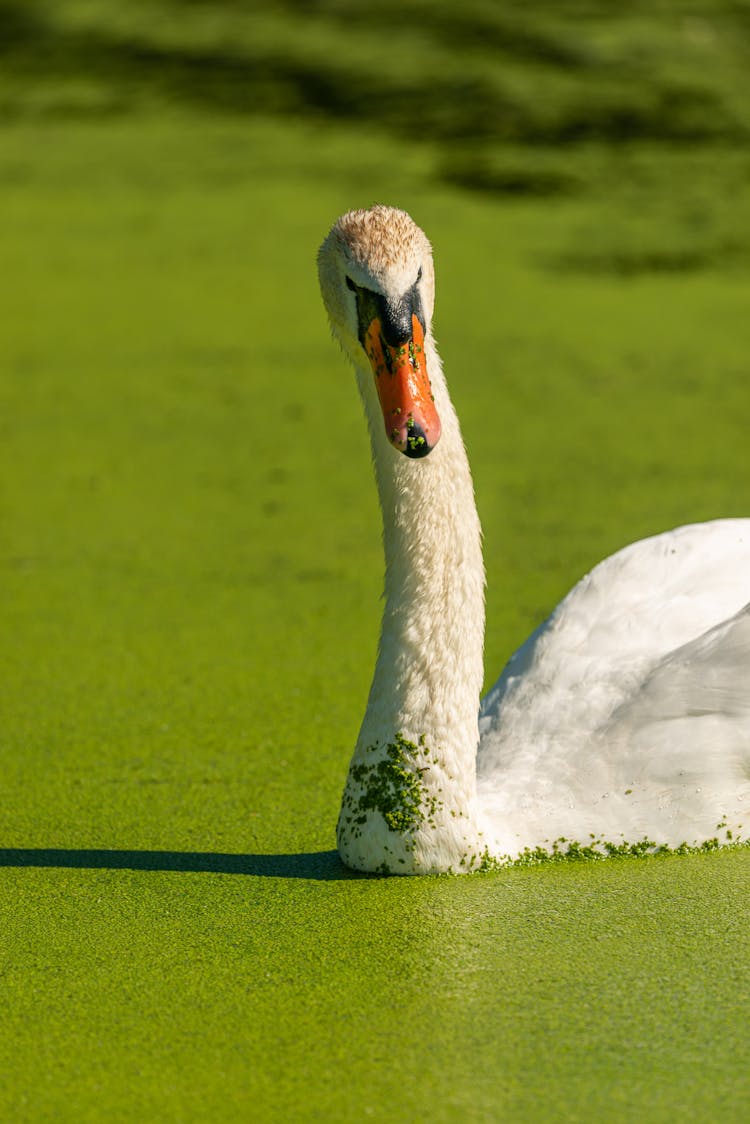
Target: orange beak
<point>411,420</point>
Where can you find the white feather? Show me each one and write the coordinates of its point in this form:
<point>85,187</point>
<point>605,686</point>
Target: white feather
<point>624,718</point>
<point>627,714</point>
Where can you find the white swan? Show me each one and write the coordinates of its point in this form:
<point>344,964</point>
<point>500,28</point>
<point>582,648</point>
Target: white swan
<point>624,719</point>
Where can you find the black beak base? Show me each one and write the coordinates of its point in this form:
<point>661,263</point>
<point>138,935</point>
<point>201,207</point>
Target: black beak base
<point>395,316</point>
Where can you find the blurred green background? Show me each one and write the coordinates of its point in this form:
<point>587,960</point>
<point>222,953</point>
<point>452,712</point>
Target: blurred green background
<point>190,555</point>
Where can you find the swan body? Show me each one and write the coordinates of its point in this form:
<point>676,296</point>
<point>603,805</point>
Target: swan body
<point>623,720</point>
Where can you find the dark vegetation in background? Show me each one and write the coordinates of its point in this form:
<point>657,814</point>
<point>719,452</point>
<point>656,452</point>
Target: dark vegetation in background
<point>648,98</point>
<point>555,74</point>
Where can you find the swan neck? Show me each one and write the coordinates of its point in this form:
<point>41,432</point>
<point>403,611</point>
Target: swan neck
<point>429,671</point>
<point>409,803</point>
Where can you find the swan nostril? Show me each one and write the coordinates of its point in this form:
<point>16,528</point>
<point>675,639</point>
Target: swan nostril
<point>387,354</point>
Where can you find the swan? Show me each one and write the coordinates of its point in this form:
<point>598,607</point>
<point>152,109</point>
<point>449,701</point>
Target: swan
<point>621,725</point>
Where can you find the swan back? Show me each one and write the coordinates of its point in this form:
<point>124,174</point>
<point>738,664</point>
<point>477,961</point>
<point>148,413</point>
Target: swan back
<point>626,715</point>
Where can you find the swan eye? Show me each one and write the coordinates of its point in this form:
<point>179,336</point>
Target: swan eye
<point>419,275</point>
<point>350,284</point>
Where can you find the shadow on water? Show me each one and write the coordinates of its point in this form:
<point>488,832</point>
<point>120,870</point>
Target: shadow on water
<point>321,866</point>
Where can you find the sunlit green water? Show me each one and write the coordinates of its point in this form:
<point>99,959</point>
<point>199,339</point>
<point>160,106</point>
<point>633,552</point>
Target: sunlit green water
<point>191,570</point>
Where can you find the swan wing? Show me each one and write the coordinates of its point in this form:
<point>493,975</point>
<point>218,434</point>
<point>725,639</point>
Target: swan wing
<point>689,721</point>
<point>627,713</point>
<point>708,676</point>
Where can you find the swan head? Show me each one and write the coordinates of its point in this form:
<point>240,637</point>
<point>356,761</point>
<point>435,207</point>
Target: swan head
<point>378,286</point>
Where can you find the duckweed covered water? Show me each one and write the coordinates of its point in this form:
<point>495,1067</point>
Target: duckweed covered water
<point>191,573</point>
